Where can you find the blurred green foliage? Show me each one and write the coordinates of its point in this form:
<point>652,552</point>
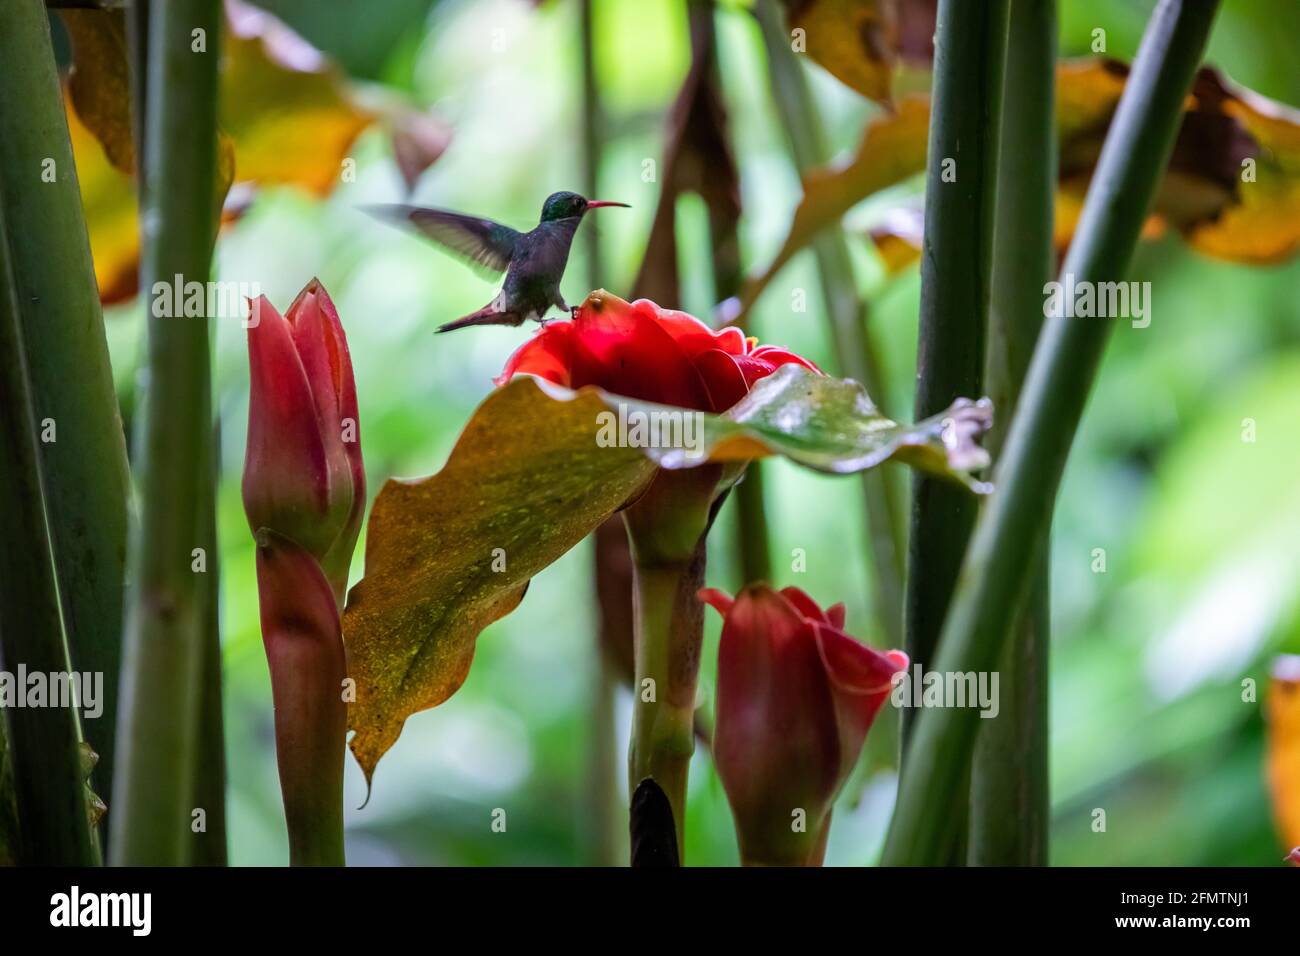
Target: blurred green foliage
<point>1198,526</point>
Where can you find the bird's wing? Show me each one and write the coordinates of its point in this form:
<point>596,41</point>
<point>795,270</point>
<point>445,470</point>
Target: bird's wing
<point>482,243</point>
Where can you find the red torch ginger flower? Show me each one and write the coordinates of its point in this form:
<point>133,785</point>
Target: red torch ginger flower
<point>796,696</point>
<point>303,476</point>
<point>304,494</point>
<point>638,350</point>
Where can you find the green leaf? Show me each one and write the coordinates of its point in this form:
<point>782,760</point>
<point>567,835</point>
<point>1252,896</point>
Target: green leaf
<point>831,425</point>
<point>449,554</point>
<point>531,476</point>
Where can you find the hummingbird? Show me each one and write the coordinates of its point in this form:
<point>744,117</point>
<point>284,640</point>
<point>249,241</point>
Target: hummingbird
<point>533,261</point>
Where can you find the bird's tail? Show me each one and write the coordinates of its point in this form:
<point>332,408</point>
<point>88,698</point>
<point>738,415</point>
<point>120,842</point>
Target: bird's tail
<point>490,314</point>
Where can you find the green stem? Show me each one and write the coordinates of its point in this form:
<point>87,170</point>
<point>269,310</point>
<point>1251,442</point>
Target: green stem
<point>154,788</point>
<point>961,176</point>
<point>751,527</point>
<point>845,314</point>
<point>45,741</point>
<point>1009,804</point>
<point>669,630</point>
<point>1011,530</point>
<point>667,528</point>
<point>83,452</point>
<point>210,773</point>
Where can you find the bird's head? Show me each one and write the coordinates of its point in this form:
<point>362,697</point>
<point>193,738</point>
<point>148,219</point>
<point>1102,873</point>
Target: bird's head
<point>566,205</point>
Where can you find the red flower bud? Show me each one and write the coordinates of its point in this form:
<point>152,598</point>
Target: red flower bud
<point>796,696</point>
<point>638,350</point>
<point>303,476</point>
<point>304,652</point>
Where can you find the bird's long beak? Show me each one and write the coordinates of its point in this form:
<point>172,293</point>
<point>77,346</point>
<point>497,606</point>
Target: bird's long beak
<point>597,203</point>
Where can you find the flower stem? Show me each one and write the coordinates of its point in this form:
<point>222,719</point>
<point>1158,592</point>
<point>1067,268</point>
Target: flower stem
<point>666,528</point>
<point>153,795</point>
<point>1011,530</point>
<point>669,630</point>
<point>1009,806</point>
<point>83,451</point>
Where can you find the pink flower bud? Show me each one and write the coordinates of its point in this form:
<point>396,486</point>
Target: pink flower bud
<point>796,696</point>
<point>303,476</point>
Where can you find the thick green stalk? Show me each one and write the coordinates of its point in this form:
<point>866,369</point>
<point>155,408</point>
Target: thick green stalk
<point>154,790</point>
<point>1001,560</point>
<point>82,450</point>
<point>666,528</point>
<point>845,314</point>
<point>210,772</point>
<point>663,718</point>
<point>960,185</point>
<point>1009,805</point>
<point>44,738</point>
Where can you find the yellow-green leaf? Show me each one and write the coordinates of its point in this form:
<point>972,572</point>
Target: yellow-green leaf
<point>108,201</point>
<point>99,85</point>
<point>1232,188</point>
<point>448,555</point>
<point>863,42</point>
<point>287,107</point>
<point>536,470</point>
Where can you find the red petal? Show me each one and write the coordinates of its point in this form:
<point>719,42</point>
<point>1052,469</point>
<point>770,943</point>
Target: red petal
<point>692,335</point>
<point>806,605</point>
<point>548,355</point>
<point>722,377</point>
<point>318,353</point>
<point>776,356</point>
<point>861,679</point>
<point>286,479</point>
<point>323,347</point>
<point>613,346</point>
<point>855,668</point>
<point>346,384</point>
<point>777,744</point>
<point>835,616</point>
<point>718,600</point>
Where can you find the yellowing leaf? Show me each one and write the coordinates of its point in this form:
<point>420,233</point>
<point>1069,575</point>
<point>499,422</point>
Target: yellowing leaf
<point>893,148</point>
<point>529,478</point>
<point>1232,187</point>
<point>99,85</point>
<point>108,201</point>
<point>287,118</point>
<point>448,555</point>
<point>286,106</point>
<point>862,42</point>
<point>1263,225</point>
<point>897,238</point>
<point>1284,747</point>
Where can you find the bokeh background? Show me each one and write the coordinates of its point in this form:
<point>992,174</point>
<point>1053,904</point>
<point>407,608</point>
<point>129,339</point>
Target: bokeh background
<point>1199,528</point>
